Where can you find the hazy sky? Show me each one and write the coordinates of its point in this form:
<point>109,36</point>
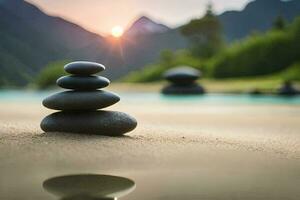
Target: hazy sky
<point>102,15</point>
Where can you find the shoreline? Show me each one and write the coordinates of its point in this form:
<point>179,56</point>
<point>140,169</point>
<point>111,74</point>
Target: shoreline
<point>225,86</point>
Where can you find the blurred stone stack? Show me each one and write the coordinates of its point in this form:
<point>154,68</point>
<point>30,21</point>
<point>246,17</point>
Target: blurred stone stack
<point>79,105</point>
<point>183,81</point>
<point>288,89</point>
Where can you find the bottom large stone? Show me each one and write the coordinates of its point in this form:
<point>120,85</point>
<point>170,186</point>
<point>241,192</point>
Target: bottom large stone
<point>108,123</point>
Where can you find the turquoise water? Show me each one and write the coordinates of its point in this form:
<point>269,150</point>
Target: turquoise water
<point>222,99</point>
<point>35,96</point>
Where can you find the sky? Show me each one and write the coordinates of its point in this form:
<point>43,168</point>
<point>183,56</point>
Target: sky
<point>101,16</point>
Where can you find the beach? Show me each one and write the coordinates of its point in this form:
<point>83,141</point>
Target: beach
<point>180,150</point>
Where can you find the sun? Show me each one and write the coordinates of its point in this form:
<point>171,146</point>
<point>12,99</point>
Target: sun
<point>117,31</point>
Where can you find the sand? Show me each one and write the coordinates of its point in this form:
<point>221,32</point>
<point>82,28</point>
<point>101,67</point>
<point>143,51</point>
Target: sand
<point>178,151</point>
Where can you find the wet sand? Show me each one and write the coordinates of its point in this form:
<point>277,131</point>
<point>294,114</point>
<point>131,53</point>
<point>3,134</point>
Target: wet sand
<point>178,151</point>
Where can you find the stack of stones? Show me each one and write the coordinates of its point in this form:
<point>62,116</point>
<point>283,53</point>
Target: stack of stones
<point>288,89</point>
<point>78,107</point>
<point>183,81</point>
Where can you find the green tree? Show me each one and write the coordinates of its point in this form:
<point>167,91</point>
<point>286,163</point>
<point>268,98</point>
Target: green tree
<point>167,58</point>
<point>50,73</point>
<point>264,54</point>
<point>279,23</point>
<point>204,34</point>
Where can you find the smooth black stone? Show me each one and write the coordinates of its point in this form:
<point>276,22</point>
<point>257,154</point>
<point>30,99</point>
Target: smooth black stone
<point>76,82</point>
<point>109,123</point>
<point>193,89</point>
<point>182,75</point>
<point>83,68</point>
<point>81,100</point>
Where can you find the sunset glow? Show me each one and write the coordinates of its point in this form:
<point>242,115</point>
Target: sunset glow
<point>123,12</point>
<point>117,31</point>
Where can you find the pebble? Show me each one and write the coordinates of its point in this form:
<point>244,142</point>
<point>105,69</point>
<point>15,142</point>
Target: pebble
<point>81,100</point>
<point>109,123</point>
<point>182,75</point>
<point>83,68</point>
<point>76,82</point>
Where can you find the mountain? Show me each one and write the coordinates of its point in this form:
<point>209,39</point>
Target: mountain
<point>144,49</point>
<point>30,39</point>
<point>145,25</point>
<point>258,15</point>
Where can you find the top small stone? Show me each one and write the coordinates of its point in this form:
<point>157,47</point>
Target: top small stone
<point>83,68</point>
<point>182,75</point>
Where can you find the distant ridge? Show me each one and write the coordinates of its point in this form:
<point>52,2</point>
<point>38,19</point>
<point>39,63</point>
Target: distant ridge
<point>30,39</point>
<point>258,15</point>
<point>145,25</point>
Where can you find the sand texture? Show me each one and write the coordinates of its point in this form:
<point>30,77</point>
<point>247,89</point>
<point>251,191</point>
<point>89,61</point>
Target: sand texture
<point>178,151</point>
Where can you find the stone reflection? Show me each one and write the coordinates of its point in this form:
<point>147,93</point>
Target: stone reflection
<point>89,187</point>
<point>86,197</point>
